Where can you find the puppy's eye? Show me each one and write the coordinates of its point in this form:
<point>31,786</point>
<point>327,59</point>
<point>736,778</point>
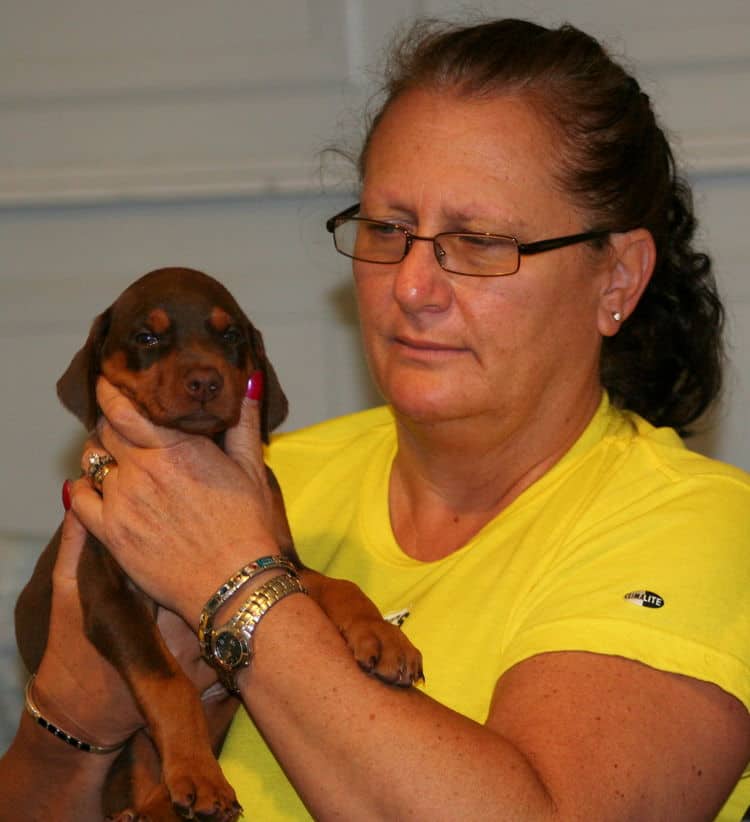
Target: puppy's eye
<point>147,339</point>
<point>232,335</point>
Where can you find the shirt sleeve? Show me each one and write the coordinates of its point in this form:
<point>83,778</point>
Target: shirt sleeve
<point>664,581</point>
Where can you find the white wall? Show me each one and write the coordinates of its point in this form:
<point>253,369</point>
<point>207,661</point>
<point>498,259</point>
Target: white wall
<point>142,134</point>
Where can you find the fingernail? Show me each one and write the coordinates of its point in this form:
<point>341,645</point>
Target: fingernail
<point>255,386</point>
<point>66,495</point>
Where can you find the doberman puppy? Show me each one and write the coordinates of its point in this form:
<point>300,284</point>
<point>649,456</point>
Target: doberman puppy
<point>178,345</point>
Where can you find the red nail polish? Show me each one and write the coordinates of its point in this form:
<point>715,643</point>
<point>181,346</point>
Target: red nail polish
<point>255,386</point>
<point>66,495</point>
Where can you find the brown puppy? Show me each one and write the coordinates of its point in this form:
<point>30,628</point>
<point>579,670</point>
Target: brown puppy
<point>178,345</point>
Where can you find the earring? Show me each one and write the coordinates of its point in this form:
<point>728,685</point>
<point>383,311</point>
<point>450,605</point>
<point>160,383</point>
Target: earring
<point>616,316</point>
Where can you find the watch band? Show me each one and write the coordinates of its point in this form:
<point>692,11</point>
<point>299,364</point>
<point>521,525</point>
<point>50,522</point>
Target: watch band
<point>232,644</point>
<point>227,590</point>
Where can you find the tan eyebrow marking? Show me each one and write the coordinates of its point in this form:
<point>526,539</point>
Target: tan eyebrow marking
<point>219,319</point>
<point>158,320</point>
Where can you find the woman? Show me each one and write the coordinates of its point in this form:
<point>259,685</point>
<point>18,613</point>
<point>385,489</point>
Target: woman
<point>572,574</point>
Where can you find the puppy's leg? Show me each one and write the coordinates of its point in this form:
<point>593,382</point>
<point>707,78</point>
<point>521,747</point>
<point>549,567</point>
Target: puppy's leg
<point>120,623</point>
<point>134,775</point>
<point>134,781</point>
<point>379,647</point>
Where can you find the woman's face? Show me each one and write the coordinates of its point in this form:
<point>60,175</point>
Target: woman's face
<point>445,346</point>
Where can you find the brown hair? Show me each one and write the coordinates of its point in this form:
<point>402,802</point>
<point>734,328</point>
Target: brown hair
<point>615,162</point>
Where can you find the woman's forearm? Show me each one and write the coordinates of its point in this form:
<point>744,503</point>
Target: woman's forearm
<point>43,778</point>
<point>355,748</point>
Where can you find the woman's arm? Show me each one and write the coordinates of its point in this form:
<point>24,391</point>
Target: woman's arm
<point>569,735</point>
<point>42,777</point>
<point>355,748</point>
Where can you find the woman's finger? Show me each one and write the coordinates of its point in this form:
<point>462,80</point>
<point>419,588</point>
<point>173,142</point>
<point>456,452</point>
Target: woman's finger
<point>242,442</point>
<point>71,544</point>
<point>125,418</point>
<point>87,506</point>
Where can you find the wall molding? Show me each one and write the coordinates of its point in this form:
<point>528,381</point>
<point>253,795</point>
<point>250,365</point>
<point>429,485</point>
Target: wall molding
<point>718,153</point>
<point>85,186</point>
<point>706,155</point>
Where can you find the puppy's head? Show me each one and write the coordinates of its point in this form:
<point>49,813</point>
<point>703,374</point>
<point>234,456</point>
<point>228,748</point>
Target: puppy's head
<point>178,345</point>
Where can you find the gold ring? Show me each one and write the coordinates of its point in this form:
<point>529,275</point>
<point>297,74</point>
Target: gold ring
<point>99,466</point>
<point>100,474</point>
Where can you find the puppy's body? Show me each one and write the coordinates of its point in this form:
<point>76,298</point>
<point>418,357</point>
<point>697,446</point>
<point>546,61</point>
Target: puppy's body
<point>178,345</point>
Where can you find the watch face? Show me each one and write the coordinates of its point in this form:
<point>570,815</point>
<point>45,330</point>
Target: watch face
<point>229,650</point>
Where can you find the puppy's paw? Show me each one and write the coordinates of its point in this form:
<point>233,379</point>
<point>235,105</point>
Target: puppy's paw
<point>127,815</point>
<point>207,797</point>
<point>155,806</point>
<point>161,813</point>
<point>384,650</point>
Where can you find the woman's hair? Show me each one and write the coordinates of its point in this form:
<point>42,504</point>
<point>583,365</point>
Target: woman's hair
<point>616,164</point>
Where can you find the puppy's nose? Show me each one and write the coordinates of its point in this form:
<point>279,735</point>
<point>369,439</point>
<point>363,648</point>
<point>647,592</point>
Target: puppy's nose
<point>203,384</point>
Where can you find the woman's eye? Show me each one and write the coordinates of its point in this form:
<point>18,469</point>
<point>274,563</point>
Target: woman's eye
<point>387,228</point>
<point>481,242</point>
<point>383,229</point>
<point>147,339</point>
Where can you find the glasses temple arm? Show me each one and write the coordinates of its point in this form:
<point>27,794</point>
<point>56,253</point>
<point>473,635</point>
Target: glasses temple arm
<point>347,212</point>
<point>560,242</point>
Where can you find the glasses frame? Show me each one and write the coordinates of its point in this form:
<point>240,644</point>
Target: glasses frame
<point>523,249</point>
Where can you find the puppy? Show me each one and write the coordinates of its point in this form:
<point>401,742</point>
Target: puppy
<point>180,348</point>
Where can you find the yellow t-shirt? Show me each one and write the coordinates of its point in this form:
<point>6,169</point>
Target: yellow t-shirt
<point>631,545</point>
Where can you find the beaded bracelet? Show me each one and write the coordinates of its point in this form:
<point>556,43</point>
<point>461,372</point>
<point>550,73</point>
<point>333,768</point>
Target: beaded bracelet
<point>228,589</point>
<point>74,741</point>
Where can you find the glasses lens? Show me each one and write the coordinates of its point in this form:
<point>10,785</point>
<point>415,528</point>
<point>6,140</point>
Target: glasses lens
<point>370,241</point>
<point>483,255</point>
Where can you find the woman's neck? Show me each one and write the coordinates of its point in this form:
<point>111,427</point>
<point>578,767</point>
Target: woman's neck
<point>449,479</point>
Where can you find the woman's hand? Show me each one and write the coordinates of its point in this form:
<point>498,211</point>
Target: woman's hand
<point>178,513</point>
<point>75,687</point>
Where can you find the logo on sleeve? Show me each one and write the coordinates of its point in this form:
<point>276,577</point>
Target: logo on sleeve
<point>646,599</point>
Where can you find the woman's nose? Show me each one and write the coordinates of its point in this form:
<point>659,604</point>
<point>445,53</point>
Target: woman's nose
<point>420,284</point>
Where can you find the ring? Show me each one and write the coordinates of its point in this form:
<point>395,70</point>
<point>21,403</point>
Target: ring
<point>99,467</point>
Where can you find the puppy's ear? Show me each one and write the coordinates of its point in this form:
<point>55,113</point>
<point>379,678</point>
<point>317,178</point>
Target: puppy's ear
<point>77,386</point>
<point>274,406</point>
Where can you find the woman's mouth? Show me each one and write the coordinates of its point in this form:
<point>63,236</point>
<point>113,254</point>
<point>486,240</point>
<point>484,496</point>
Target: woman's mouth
<point>425,349</point>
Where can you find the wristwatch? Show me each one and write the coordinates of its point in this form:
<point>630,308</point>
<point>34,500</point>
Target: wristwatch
<point>232,645</point>
<point>227,590</point>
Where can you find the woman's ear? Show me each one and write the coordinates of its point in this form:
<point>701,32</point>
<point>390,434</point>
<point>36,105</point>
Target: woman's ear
<point>631,264</point>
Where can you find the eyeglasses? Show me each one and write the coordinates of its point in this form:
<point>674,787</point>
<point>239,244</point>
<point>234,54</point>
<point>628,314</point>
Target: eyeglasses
<point>473,254</point>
